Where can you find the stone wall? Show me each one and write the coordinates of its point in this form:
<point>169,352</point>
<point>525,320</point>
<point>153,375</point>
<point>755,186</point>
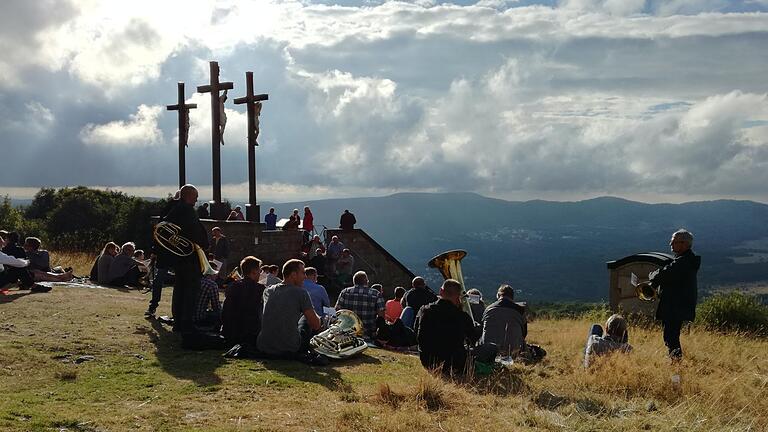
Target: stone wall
<point>372,258</point>
<point>275,247</point>
<point>248,238</point>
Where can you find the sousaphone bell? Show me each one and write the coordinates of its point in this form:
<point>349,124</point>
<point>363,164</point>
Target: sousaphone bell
<point>449,265</point>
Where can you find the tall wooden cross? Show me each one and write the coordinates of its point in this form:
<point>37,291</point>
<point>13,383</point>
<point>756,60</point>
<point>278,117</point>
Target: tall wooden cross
<point>253,102</point>
<point>218,210</point>
<point>183,110</point>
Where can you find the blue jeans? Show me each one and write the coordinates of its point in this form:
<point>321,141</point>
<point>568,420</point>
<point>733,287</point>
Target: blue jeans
<point>157,287</point>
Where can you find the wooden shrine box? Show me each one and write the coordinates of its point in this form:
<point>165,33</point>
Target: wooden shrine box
<point>621,292</point>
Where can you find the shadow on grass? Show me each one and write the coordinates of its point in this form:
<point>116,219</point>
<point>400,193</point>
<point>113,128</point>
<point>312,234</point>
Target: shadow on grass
<point>326,376</point>
<point>198,366</point>
<point>7,298</point>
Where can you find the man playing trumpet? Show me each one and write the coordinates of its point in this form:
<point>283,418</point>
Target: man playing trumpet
<point>677,287</point>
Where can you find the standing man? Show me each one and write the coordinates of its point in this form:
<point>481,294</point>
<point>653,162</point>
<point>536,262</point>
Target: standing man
<point>202,212</point>
<point>271,219</point>
<point>220,250</point>
<point>188,271</point>
<point>332,254</point>
<point>678,290</point>
<point>347,220</point>
<point>161,265</point>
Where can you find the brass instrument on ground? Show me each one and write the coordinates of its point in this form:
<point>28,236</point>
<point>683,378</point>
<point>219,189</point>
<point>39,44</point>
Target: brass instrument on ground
<point>449,265</point>
<point>168,236</point>
<point>343,338</point>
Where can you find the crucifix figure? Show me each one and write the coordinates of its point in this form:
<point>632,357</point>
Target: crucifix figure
<point>218,210</point>
<point>253,103</point>
<point>222,115</point>
<point>183,110</point>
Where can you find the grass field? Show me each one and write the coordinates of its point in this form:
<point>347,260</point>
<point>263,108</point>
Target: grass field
<point>140,380</point>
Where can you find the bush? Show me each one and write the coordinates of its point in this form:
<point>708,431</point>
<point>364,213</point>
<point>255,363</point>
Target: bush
<point>734,311</point>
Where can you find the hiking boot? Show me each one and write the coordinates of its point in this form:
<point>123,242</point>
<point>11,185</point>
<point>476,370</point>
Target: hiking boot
<point>37,288</point>
<point>315,359</point>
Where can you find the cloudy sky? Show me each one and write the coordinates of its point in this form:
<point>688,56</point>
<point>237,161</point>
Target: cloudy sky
<point>645,99</point>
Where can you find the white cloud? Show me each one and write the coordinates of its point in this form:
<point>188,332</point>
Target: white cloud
<point>140,130</point>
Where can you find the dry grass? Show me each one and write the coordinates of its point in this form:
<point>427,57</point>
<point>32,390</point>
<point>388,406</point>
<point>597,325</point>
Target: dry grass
<point>81,262</point>
<point>140,380</point>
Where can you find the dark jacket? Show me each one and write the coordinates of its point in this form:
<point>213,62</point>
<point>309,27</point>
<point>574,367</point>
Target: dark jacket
<point>418,297</point>
<point>14,250</point>
<point>241,314</point>
<point>347,221</point>
<point>443,330</point>
<point>678,290</point>
<point>185,216</point>
<point>220,248</point>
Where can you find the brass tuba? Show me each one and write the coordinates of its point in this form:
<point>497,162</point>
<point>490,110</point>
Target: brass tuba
<point>168,236</point>
<point>343,338</point>
<point>449,265</point>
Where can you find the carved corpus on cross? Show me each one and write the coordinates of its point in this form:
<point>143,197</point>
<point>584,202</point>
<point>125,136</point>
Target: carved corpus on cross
<point>217,208</point>
<point>183,110</point>
<point>253,102</point>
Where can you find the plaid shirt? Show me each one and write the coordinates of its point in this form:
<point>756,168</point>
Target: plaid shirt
<point>209,299</point>
<point>363,301</point>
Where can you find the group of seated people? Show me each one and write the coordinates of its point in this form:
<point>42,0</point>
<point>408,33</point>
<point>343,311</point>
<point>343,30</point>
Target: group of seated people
<point>120,266</point>
<point>27,264</point>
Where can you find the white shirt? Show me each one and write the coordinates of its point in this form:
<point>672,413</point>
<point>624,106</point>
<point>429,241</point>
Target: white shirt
<point>11,261</point>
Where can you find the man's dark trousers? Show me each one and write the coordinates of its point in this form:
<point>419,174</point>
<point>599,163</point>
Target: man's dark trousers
<point>13,274</point>
<point>157,287</point>
<point>672,337</point>
<point>185,294</point>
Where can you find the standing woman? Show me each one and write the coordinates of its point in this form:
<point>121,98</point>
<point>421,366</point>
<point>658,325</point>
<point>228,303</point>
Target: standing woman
<point>309,221</point>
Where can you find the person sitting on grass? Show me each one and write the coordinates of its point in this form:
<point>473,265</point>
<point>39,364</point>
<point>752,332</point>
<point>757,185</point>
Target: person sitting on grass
<point>272,278</point>
<point>615,339</point>
<point>124,270</point>
<point>11,246</point>
<point>443,330</point>
<point>104,262</point>
<point>14,269</point>
<point>40,264</point>
<point>393,308</point>
<point>289,320</point>
<point>243,305</point>
<point>208,311</point>
<point>317,292</point>
<point>366,302</point>
<point>504,323</point>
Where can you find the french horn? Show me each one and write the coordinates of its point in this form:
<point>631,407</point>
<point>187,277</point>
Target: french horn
<point>343,338</point>
<point>168,236</point>
<point>449,265</point>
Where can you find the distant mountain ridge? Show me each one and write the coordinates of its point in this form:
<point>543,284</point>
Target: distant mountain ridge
<point>552,250</point>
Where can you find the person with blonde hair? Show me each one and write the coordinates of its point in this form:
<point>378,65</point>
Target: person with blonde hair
<point>104,262</point>
<point>615,339</point>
